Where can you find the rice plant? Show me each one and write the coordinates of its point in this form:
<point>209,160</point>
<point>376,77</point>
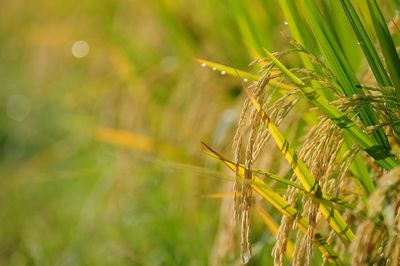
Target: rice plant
<point>339,200</point>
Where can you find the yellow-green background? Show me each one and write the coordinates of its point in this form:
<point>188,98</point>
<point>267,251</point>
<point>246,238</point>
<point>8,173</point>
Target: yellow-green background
<point>71,194</point>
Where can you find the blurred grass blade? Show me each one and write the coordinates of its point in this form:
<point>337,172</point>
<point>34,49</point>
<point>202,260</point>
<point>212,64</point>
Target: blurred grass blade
<point>386,42</point>
<point>281,205</point>
<point>184,42</point>
<point>218,195</point>
<point>250,31</point>
<point>125,139</point>
<point>130,140</point>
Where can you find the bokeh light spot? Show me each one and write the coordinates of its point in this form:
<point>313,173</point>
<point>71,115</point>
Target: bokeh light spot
<point>80,49</point>
<point>18,107</point>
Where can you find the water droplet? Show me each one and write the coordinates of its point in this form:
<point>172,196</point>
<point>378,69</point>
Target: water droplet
<point>223,72</point>
<point>203,65</point>
<point>245,80</point>
<point>364,131</point>
<point>245,258</point>
<point>286,23</point>
<point>214,69</point>
<point>358,43</point>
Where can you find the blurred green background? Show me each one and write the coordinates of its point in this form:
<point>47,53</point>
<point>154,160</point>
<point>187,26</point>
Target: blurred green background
<point>103,108</point>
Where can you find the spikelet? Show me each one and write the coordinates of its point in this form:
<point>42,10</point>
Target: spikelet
<point>385,104</point>
<point>380,238</point>
<point>258,135</point>
<point>282,238</point>
<point>286,226</point>
<point>359,247</point>
<point>243,203</point>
